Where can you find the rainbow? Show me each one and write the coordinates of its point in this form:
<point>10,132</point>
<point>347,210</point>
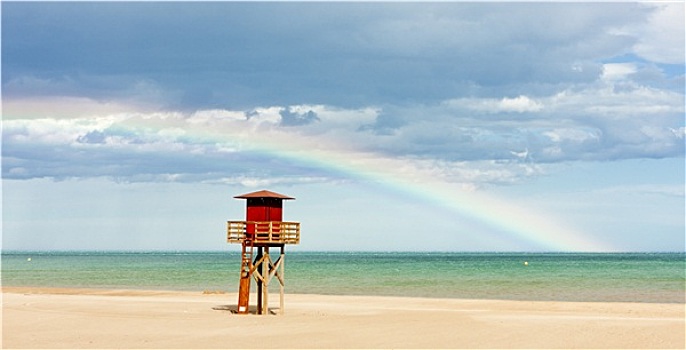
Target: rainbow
<point>485,212</point>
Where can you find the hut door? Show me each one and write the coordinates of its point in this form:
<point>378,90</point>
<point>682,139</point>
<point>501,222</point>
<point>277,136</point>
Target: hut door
<point>274,210</point>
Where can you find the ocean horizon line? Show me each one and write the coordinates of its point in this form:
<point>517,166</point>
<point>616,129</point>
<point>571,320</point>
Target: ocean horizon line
<point>199,251</point>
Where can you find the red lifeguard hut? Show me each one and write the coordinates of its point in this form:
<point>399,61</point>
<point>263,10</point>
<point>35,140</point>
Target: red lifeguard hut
<point>263,228</point>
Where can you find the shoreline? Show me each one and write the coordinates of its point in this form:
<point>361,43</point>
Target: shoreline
<point>36,317</point>
<point>148,291</point>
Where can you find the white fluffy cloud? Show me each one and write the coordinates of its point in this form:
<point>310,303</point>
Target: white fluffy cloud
<point>661,38</point>
<point>617,71</point>
<point>519,104</point>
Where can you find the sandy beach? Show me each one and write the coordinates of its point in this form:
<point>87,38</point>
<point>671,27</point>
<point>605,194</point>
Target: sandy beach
<point>76,318</point>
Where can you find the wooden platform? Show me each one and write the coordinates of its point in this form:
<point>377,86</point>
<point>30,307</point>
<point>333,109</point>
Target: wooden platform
<point>263,233</point>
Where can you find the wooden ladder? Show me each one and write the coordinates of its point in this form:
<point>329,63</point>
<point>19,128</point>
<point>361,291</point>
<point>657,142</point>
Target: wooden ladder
<point>246,267</point>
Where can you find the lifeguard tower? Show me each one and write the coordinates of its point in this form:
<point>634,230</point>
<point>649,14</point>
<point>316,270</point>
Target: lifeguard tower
<point>263,229</point>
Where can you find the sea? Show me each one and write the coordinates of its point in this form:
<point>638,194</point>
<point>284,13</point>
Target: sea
<point>590,277</point>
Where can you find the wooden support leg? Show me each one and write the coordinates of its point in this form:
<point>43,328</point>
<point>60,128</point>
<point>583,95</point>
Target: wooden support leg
<point>282,280</point>
<point>260,265</point>
<point>244,285</point>
<point>265,274</point>
<point>244,295</point>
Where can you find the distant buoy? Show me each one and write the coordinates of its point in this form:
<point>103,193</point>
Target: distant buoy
<point>526,263</point>
<point>29,259</point>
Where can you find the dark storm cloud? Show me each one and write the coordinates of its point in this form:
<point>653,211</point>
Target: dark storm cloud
<point>289,118</point>
<point>206,55</point>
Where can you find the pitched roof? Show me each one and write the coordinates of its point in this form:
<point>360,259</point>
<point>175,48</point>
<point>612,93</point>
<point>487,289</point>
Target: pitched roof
<point>264,194</point>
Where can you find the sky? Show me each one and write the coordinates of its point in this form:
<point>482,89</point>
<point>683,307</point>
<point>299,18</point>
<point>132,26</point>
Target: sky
<point>443,126</point>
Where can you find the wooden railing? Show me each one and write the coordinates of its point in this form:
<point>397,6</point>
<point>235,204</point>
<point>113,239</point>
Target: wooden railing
<point>263,232</point>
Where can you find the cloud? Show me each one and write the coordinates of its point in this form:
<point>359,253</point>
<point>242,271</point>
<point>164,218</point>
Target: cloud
<point>661,37</point>
<point>290,118</point>
<point>252,92</point>
<point>617,71</point>
<point>518,104</point>
<point>470,141</point>
<point>240,55</point>
<point>253,147</point>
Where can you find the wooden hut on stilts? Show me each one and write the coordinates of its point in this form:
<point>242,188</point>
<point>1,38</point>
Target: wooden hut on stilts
<point>262,230</point>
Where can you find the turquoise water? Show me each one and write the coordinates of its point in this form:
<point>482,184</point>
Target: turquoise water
<point>638,277</point>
